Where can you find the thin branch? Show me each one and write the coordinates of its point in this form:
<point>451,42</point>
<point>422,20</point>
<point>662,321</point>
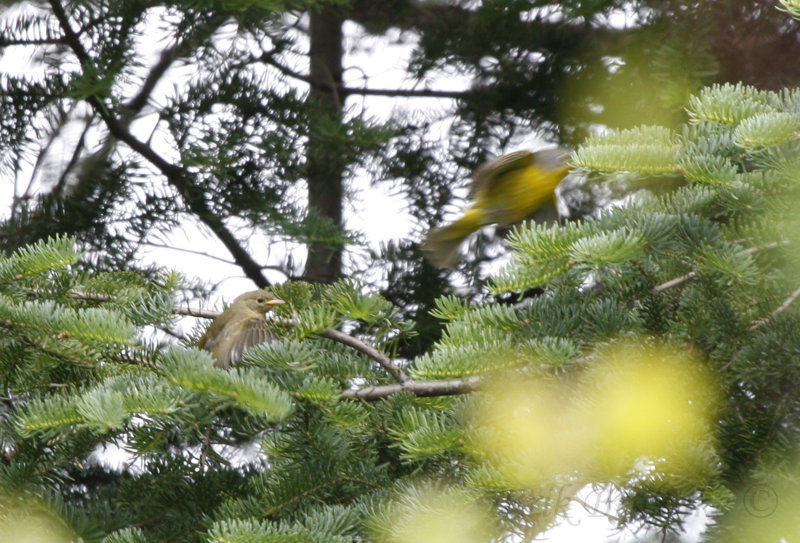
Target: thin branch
<point>267,58</point>
<point>692,274</point>
<point>192,251</point>
<point>310,491</point>
<point>407,93</point>
<point>592,509</point>
<point>771,245</point>
<point>167,58</point>
<point>785,305</point>
<point>418,388</point>
<point>750,250</point>
<point>204,254</point>
<point>76,153</point>
<point>673,282</point>
<point>199,313</point>
<point>370,351</point>
<point>70,36</point>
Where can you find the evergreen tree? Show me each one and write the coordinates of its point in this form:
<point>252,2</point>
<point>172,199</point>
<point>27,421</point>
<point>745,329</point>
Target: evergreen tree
<point>651,350</point>
<point>659,360</point>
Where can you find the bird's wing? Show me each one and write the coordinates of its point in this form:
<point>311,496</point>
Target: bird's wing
<point>255,331</point>
<point>488,171</point>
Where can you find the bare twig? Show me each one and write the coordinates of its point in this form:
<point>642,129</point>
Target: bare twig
<point>406,93</point>
<point>267,58</point>
<point>692,274</point>
<point>418,388</point>
<point>370,351</point>
<point>673,282</point>
<point>785,305</point>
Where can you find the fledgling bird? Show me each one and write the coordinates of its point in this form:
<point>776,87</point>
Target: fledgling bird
<point>239,327</point>
<point>505,191</point>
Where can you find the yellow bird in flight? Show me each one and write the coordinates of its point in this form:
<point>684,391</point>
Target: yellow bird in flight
<point>504,191</point>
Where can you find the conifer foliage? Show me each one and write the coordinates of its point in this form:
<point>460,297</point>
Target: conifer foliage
<point>651,351</point>
<point>658,359</point>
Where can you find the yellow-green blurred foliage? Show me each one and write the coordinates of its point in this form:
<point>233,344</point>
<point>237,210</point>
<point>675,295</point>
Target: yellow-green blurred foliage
<point>789,216</point>
<point>426,513</point>
<point>632,406</point>
<point>649,81</point>
<point>526,429</point>
<point>25,519</point>
<point>768,509</point>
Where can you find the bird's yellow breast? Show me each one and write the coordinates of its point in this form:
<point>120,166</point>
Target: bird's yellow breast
<point>514,195</point>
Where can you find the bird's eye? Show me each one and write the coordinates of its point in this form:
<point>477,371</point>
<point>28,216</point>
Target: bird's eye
<point>261,300</point>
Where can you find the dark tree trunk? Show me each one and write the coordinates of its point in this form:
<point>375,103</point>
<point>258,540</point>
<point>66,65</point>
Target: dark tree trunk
<point>326,162</point>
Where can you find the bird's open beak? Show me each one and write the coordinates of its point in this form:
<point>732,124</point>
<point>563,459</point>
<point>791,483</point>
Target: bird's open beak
<point>275,302</point>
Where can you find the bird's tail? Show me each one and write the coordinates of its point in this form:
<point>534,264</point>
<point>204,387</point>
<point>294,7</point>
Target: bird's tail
<point>442,244</point>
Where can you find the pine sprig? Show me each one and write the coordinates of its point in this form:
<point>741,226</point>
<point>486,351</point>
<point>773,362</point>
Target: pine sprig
<point>105,408</point>
<point>767,130</point>
<point>193,370</point>
<point>43,256</point>
<point>91,325</point>
<point>712,169</point>
<point>790,6</point>
<point>421,434</point>
<point>449,308</point>
<point>613,247</point>
<point>48,414</point>
<point>643,149</point>
<point>727,104</point>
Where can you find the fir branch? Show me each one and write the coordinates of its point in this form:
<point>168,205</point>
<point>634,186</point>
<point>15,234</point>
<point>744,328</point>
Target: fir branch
<point>418,388</point>
<point>9,42</point>
<point>405,383</point>
<point>195,202</point>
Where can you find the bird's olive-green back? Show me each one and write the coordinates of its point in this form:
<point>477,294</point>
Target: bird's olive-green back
<point>239,327</point>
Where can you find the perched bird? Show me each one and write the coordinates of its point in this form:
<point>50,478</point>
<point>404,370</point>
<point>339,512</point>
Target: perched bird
<point>239,327</point>
<point>505,191</point>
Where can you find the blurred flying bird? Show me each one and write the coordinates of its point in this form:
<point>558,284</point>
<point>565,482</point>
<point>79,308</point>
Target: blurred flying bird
<point>505,191</point>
